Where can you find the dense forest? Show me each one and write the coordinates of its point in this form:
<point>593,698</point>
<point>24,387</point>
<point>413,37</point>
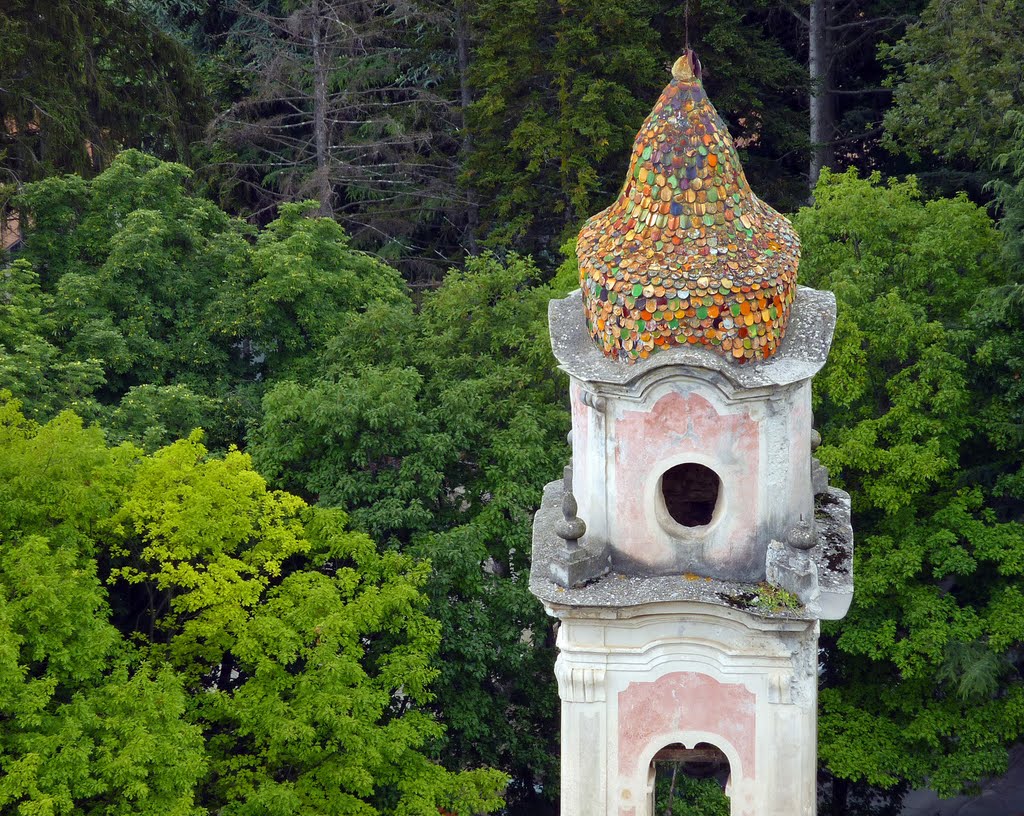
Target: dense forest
<point>277,400</point>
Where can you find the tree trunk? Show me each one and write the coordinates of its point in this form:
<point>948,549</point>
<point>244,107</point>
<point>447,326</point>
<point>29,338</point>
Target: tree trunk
<point>321,136</point>
<point>819,63</point>
<point>840,791</point>
<point>465,100</point>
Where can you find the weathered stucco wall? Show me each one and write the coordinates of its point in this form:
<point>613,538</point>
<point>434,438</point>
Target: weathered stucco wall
<point>654,676</point>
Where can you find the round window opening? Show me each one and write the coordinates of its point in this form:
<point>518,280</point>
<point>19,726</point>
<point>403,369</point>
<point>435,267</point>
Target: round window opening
<point>691,493</point>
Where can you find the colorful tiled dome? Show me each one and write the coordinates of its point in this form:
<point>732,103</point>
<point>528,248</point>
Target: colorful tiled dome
<point>687,253</point>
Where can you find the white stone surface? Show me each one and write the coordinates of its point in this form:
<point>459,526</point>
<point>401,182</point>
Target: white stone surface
<point>636,680</point>
<point>668,646</point>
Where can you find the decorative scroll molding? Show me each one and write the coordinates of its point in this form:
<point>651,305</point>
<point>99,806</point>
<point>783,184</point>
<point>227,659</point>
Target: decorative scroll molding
<point>592,400</point>
<point>780,691</point>
<point>580,684</point>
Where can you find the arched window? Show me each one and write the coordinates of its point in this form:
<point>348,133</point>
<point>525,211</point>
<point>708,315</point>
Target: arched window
<point>688,781</point>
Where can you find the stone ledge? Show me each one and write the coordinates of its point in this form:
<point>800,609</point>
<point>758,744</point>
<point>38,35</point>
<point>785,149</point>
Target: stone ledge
<point>833,556</point>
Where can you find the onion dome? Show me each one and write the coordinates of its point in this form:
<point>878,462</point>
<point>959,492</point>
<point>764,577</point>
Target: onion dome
<point>687,254</point>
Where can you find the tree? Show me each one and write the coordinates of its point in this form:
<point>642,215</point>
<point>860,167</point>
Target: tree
<point>756,82</point>
<point>244,653</point>
<point>438,437</point>
<point>80,79</point>
<point>89,725</point>
<point>1008,189</point>
<point>136,279</point>
<point>678,794</point>
<point>353,104</point>
<point>1000,363</point>
<point>955,76</point>
<point>141,304</point>
<point>922,681</point>
<point>30,364</point>
<point>560,91</point>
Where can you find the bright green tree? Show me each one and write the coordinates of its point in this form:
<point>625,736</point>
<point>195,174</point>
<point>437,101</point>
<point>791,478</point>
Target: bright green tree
<point>242,654</point>
<point>921,681</point>
<point>89,725</point>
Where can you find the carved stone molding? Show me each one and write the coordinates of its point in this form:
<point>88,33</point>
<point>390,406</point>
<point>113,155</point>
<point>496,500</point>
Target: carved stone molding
<point>592,400</point>
<point>580,684</point>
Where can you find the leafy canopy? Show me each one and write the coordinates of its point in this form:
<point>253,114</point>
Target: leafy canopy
<point>921,681</point>
<point>955,75</point>
<point>140,304</point>
<point>439,437</point>
<point>181,639</point>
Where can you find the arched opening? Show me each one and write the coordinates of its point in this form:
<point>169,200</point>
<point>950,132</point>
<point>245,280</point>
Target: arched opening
<point>690,492</point>
<point>689,781</point>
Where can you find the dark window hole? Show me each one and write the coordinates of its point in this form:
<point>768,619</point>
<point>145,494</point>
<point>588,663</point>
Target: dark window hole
<point>691,493</point>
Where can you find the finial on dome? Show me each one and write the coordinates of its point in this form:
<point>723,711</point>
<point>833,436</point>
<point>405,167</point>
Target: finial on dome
<point>687,67</point>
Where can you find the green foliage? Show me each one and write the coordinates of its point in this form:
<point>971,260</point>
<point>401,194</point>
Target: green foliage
<point>678,794</point>
<point>1009,192</point>
<point>137,276</point>
<point>902,408</point>
<point>956,73</point>
<point>31,365</point>
<point>439,436</point>
<point>563,88</point>
<point>141,304</point>
<point>79,79</point>
<point>214,645</point>
<point>243,653</point>
<point>306,282</point>
<point>755,74</point>
<point>89,725</point>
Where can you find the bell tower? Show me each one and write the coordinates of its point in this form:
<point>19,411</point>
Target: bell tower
<point>694,544</point>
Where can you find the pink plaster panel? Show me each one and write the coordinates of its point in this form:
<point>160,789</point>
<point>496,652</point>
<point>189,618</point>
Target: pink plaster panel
<point>676,426</point>
<point>685,701</point>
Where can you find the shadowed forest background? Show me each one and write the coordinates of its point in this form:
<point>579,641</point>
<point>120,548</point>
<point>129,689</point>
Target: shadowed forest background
<point>325,233</point>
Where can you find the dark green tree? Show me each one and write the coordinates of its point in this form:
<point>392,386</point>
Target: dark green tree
<point>922,683</point>
<point>560,91</point>
<point>955,75</point>
<point>81,79</point>
<point>1008,189</point>
<point>438,436</point>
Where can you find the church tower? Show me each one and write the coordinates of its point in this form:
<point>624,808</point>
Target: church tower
<point>694,544</point>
